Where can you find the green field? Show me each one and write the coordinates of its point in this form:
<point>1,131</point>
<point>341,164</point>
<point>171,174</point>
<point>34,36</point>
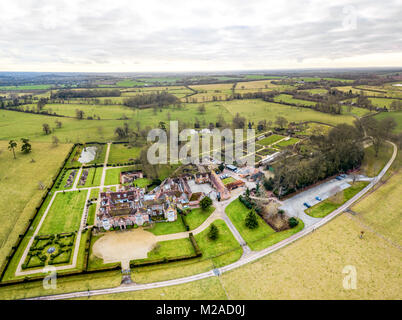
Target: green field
<point>396,115</point>
<point>255,110</point>
<point>197,216</point>
<point>120,153</point>
<point>113,174</point>
<point>287,98</point>
<point>288,142</point>
<point>65,213</point>
<point>270,140</point>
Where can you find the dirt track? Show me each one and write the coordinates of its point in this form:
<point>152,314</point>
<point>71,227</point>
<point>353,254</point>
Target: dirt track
<point>124,246</point>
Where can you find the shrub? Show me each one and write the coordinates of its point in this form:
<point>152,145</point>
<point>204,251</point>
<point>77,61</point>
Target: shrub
<point>293,222</point>
<point>205,203</point>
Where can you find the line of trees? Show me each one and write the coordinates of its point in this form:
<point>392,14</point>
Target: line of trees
<point>159,99</point>
<point>339,151</point>
<point>69,94</point>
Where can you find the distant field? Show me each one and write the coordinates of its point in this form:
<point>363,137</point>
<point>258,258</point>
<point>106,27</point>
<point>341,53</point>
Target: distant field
<point>396,115</point>
<point>103,111</point>
<point>287,98</point>
<point>256,110</point>
<point>27,87</point>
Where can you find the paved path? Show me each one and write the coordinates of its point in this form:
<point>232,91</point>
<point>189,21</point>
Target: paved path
<point>252,256</point>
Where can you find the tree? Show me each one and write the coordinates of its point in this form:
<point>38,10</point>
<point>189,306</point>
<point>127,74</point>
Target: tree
<point>251,220</point>
<point>79,114</point>
<point>281,122</point>
<point>120,132</point>
<point>46,128</point>
<point>55,141</point>
<point>205,203</point>
<point>293,222</point>
<point>58,124</point>
<point>26,146</point>
<point>11,146</point>
<point>202,109</point>
<point>213,232</point>
<point>221,167</point>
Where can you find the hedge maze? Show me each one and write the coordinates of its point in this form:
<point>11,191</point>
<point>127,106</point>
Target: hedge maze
<point>50,250</point>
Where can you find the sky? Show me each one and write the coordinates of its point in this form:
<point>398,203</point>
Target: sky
<point>187,35</point>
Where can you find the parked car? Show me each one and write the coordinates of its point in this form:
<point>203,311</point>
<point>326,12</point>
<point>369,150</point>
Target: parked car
<point>344,176</point>
<point>338,178</point>
<point>307,205</point>
<point>318,198</point>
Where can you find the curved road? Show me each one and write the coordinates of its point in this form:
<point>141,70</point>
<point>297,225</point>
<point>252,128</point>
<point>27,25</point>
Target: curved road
<point>246,258</point>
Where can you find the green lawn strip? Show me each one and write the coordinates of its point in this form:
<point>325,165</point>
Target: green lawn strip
<point>170,249</point>
<point>142,182</point>
<point>275,237</point>
<point>325,207</point>
<point>120,153</point>
<point>228,180</point>
<point>237,213</point>
<point>270,140</point>
<point>65,213</point>
<point>94,193</point>
<point>197,216</point>
<point>160,228</point>
<point>93,179</point>
<point>91,214</point>
<point>286,143</point>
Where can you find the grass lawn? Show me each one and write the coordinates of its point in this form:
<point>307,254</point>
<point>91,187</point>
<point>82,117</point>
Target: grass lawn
<point>216,249</point>
<point>237,213</point>
<point>382,209</point>
<point>255,110</point>
<point>65,213</point>
<point>396,115</point>
<point>287,98</point>
<point>94,178</point>
<point>270,140</point>
<point>167,227</point>
<point>373,165</point>
<point>120,153</point>
<point>286,143</point>
<point>197,216</point>
<point>91,214</point>
<point>142,182</point>
<point>94,193</point>
<point>171,248</point>
<point>19,189</point>
<point>322,209</point>
<point>228,180</point>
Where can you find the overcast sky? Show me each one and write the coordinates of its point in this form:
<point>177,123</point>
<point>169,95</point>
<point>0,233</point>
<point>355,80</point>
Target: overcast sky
<point>202,35</point>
